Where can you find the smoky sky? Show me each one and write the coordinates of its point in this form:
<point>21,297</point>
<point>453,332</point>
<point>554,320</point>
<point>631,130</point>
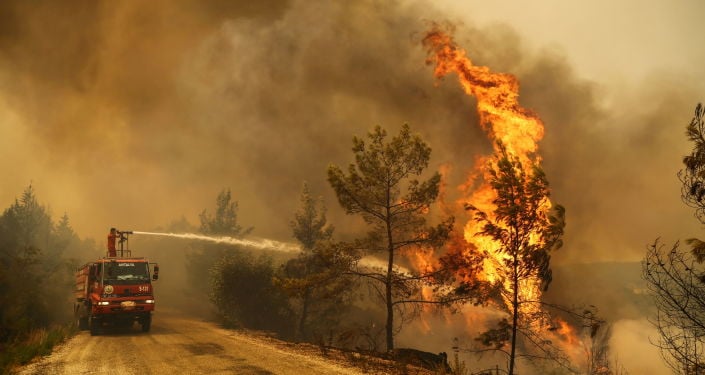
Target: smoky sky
<point>133,114</point>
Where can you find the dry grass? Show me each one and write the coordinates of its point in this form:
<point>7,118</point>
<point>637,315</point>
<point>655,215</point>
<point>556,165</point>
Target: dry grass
<point>38,342</point>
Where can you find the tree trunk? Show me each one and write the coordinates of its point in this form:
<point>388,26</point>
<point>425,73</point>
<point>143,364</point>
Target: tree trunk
<point>388,282</point>
<point>390,306</point>
<point>515,314</point>
<point>304,313</point>
<point>390,316</point>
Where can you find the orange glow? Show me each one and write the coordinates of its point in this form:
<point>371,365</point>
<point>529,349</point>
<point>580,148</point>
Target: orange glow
<point>497,95</point>
<point>504,120</point>
<point>519,131</point>
<point>566,332</point>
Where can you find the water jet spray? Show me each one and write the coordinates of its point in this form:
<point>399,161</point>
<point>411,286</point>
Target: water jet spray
<point>262,243</point>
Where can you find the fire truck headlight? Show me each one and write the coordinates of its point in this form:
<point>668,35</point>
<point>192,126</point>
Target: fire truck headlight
<point>103,303</point>
<point>149,301</point>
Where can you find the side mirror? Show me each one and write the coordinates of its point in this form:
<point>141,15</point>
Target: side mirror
<point>155,275</point>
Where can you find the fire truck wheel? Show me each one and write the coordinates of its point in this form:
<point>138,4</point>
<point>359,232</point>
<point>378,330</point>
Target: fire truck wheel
<point>82,323</point>
<point>93,325</point>
<point>81,319</point>
<point>146,323</point>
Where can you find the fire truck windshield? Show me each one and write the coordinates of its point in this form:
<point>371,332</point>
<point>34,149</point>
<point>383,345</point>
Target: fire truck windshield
<point>126,272</point>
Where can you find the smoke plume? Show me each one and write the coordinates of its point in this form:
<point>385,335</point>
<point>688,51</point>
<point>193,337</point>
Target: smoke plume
<point>133,114</point>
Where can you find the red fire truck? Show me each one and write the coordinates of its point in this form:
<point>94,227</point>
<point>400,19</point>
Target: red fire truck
<point>115,290</point>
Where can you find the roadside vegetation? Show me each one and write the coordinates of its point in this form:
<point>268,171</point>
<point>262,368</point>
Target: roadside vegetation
<point>37,258</point>
<point>38,342</point>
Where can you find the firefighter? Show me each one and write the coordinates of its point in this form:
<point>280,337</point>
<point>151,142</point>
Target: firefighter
<point>111,242</point>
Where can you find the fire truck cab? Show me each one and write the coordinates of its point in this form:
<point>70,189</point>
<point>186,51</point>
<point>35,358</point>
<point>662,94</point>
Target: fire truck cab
<point>115,291</point>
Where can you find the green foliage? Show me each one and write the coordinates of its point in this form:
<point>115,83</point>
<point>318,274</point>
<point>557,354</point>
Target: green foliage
<point>316,281</point>
<point>675,278</point>
<point>38,342</point>
<point>373,184</point>
<point>33,272</point>
<point>223,223</point>
<point>35,279</point>
<point>382,186</point>
<point>245,294</point>
<point>693,176</point>
<point>318,287</point>
<point>309,224</point>
<point>241,285</point>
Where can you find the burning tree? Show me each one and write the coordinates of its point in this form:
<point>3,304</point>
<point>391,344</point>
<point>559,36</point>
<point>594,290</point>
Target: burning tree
<point>382,188</point>
<point>526,231</point>
<point>515,224</point>
<point>676,278</point>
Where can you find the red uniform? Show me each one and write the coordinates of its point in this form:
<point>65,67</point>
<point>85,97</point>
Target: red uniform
<point>111,244</point>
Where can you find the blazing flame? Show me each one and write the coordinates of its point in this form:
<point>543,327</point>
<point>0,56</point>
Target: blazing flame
<point>497,95</point>
<point>504,120</point>
<point>518,130</point>
<point>566,332</point>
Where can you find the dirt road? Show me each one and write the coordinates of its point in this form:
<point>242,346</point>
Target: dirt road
<point>180,345</point>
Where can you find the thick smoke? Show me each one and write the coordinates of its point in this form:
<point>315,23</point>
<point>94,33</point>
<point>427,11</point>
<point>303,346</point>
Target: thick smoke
<point>132,114</point>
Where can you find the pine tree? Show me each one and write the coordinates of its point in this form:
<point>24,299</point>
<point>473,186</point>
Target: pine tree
<point>382,187</point>
<point>316,278</point>
<point>527,233</point>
